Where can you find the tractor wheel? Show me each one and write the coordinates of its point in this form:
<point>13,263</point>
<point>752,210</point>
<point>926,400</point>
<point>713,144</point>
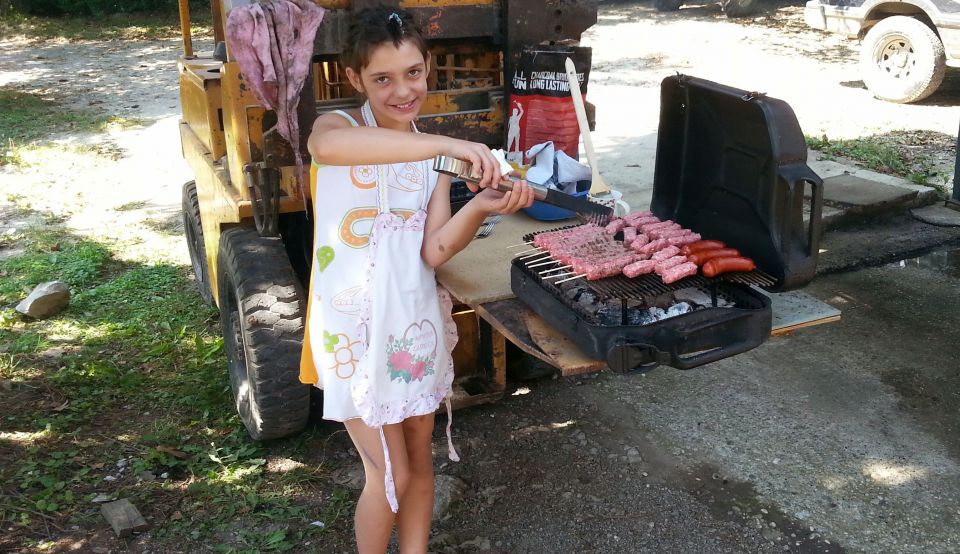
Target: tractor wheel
<point>902,60</point>
<point>194,233</point>
<point>667,5</point>
<point>262,312</point>
<point>740,8</point>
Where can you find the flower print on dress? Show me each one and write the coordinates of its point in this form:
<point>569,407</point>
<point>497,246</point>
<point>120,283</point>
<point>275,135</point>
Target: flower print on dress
<point>410,178</point>
<point>364,176</point>
<point>345,352</point>
<point>411,357</point>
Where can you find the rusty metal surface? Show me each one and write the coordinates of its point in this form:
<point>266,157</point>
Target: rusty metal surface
<point>440,22</point>
<point>485,126</point>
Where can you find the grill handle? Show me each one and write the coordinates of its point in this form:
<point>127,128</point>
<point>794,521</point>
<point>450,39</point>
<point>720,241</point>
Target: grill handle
<point>731,322</point>
<point>633,357</point>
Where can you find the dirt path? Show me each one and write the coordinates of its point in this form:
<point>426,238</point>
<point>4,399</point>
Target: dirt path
<point>635,47</point>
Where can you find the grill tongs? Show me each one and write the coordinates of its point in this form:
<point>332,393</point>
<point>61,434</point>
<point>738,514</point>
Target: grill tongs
<point>585,209</point>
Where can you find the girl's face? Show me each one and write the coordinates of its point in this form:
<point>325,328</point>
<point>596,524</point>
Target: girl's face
<point>395,82</point>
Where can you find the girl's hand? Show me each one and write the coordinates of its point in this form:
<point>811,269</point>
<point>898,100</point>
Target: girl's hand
<point>485,166</point>
<point>492,201</point>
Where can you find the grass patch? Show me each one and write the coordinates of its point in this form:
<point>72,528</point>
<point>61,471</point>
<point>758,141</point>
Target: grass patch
<point>908,154</point>
<point>113,27</point>
<point>125,395</point>
<point>27,119</point>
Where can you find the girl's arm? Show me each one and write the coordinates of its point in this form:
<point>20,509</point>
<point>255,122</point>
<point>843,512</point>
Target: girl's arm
<point>333,141</point>
<point>444,236</point>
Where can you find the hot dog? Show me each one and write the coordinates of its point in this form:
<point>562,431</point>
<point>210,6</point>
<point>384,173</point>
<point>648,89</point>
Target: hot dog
<point>702,256</point>
<point>702,245</point>
<point>716,266</point>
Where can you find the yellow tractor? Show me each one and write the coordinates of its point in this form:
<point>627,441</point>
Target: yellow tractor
<point>245,222</point>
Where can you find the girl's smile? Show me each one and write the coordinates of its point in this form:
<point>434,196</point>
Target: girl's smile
<point>395,82</point>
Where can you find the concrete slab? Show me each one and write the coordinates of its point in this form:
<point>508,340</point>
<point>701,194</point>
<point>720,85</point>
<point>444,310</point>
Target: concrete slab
<point>937,214</point>
<point>833,168</point>
<point>853,191</point>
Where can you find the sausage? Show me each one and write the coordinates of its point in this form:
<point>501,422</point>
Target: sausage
<point>702,256</point>
<point>640,267</point>
<point>678,272</point>
<point>716,266</point>
<point>702,245</point>
<point>664,253</point>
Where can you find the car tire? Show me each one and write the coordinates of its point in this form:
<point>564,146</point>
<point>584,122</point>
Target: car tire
<point>740,8</point>
<point>902,60</point>
<point>193,231</point>
<point>667,5</point>
<point>262,312</point>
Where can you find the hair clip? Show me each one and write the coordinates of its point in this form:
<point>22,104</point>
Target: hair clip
<point>395,18</point>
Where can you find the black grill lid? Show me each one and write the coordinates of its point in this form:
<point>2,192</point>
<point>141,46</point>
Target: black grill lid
<point>731,165</point>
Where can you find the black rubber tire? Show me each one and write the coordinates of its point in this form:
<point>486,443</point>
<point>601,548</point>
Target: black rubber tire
<point>740,8</point>
<point>667,5</point>
<point>263,314</point>
<point>193,232</point>
<point>902,60</point>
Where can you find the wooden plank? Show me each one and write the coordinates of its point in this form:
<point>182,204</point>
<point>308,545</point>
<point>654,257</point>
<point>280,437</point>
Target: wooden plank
<point>535,336</point>
<point>562,353</point>
<point>508,327</point>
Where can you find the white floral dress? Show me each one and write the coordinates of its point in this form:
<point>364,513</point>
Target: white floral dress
<point>345,207</point>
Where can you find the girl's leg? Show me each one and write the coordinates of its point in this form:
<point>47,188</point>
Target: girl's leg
<point>416,508</point>
<point>373,520</point>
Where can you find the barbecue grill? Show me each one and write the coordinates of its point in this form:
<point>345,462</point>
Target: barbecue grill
<point>730,165</point>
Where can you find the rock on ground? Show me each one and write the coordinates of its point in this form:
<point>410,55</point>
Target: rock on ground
<point>45,300</point>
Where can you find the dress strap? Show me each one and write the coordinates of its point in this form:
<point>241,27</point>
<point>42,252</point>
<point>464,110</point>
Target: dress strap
<point>451,451</point>
<point>346,116</point>
<point>388,483</point>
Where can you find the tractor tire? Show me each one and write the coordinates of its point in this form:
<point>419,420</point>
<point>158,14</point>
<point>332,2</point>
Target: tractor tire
<point>902,60</point>
<point>193,232</point>
<point>740,8</point>
<point>263,314</point>
<point>667,5</point>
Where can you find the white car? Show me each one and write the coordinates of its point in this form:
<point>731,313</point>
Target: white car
<point>907,45</point>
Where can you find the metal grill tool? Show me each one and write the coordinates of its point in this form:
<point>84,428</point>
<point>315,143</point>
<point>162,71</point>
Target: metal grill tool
<point>585,209</point>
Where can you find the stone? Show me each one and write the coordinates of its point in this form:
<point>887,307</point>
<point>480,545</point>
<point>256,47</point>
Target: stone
<point>123,517</point>
<point>447,492</point>
<point>850,190</point>
<point>351,477</point>
<point>938,214</point>
<point>45,300</point>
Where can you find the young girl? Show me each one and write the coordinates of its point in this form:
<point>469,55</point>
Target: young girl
<point>377,329</point>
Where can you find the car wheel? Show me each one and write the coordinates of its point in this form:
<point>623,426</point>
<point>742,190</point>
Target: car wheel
<point>740,8</point>
<point>902,60</point>
<point>262,312</point>
<point>193,232</point>
<point>667,5</point>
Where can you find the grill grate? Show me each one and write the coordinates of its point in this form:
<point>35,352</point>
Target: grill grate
<point>641,287</point>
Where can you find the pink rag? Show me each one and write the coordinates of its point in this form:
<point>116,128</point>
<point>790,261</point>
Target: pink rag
<point>273,43</point>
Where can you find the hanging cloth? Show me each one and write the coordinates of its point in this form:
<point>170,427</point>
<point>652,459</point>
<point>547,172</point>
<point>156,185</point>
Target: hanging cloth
<point>406,369</point>
<point>273,44</point>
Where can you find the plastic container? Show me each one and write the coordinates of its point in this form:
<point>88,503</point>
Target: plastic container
<point>548,212</point>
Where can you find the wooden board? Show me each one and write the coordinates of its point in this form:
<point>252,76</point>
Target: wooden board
<point>530,333</point>
<point>559,350</point>
<point>481,272</point>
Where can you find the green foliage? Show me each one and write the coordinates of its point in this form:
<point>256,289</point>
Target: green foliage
<point>881,154</point>
<point>51,257</point>
<point>142,389</point>
<point>26,119</point>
